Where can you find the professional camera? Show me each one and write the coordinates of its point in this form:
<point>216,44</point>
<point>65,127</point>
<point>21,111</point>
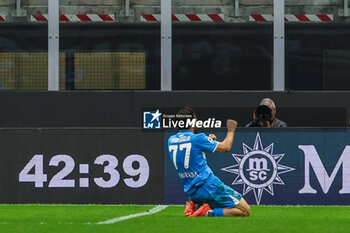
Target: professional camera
<point>263,114</point>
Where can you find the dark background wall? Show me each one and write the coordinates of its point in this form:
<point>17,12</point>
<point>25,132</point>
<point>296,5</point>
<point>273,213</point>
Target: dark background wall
<point>124,108</point>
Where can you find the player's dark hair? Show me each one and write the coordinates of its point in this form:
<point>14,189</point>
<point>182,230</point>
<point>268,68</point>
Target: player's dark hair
<point>184,114</point>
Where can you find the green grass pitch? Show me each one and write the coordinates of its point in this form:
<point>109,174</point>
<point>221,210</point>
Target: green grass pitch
<point>83,218</point>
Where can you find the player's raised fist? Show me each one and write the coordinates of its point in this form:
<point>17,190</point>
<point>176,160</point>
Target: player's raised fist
<point>231,125</point>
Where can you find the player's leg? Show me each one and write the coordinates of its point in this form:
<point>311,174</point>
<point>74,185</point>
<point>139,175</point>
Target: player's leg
<point>242,209</point>
<point>222,200</point>
<point>227,202</point>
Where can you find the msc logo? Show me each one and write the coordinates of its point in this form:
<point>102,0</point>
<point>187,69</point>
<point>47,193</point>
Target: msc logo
<point>151,120</point>
<point>258,169</point>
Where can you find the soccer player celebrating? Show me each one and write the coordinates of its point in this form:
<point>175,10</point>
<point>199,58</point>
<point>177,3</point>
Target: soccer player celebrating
<point>186,150</point>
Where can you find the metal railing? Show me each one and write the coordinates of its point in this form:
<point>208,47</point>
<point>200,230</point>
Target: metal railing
<point>346,8</point>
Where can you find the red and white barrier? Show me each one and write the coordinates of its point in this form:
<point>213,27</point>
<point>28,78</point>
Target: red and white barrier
<point>292,18</point>
<point>185,17</point>
<point>2,18</point>
<point>75,18</point>
<point>181,18</point>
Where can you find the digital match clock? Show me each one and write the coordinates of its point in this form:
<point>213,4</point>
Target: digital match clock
<point>107,161</point>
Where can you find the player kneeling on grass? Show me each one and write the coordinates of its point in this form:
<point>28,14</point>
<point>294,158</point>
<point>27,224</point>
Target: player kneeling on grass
<point>186,150</point>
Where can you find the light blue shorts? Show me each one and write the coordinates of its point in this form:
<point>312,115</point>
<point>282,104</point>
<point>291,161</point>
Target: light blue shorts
<point>216,194</point>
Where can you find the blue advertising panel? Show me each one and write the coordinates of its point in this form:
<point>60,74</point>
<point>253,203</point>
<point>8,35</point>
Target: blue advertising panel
<point>278,166</point>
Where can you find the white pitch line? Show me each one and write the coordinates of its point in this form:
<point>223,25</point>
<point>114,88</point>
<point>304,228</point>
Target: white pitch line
<point>151,211</point>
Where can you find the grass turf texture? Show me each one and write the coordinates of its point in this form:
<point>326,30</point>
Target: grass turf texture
<point>74,218</point>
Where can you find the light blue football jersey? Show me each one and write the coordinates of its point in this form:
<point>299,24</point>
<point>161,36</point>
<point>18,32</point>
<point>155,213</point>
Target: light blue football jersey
<point>186,151</point>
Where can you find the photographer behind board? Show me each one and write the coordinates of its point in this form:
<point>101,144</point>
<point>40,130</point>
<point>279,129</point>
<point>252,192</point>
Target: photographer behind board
<point>265,115</point>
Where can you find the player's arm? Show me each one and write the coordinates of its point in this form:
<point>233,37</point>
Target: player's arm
<point>226,144</point>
